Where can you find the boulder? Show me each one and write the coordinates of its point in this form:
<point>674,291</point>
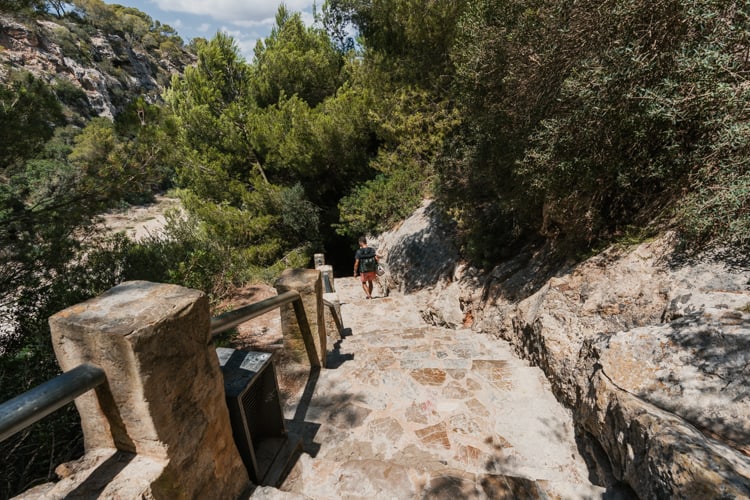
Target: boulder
<point>420,253</point>
<point>670,405</point>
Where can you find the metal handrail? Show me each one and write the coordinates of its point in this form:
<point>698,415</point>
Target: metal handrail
<point>28,408</point>
<point>227,320</point>
<point>32,406</point>
<point>233,318</point>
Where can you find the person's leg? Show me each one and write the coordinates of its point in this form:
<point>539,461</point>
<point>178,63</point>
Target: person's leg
<point>364,287</point>
<point>369,288</point>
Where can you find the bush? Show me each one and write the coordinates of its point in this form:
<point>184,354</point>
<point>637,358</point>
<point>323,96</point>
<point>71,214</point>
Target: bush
<point>376,205</point>
<point>584,119</point>
<point>73,96</point>
<point>411,127</point>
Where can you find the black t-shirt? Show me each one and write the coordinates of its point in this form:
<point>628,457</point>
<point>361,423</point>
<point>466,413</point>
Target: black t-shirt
<point>363,253</point>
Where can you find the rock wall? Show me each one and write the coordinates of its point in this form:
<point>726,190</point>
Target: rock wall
<point>106,67</point>
<point>652,356</point>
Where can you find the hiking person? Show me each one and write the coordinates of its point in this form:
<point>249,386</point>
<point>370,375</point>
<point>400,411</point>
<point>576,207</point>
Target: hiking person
<point>366,265</point>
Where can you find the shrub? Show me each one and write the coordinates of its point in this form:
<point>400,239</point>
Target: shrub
<point>73,96</point>
<point>583,119</point>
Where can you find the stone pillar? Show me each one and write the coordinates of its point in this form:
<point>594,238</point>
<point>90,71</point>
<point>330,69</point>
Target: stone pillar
<point>164,396</point>
<point>319,259</point>
<point>327,275</point>
<point>308,283</point>
<point>333,325</point>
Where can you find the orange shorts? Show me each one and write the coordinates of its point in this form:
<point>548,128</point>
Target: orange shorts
<point>369,276</point>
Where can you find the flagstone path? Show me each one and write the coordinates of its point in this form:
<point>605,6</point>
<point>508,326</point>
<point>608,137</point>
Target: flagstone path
<point>406,410</point>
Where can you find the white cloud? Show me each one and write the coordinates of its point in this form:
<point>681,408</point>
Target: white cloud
<point>245,40</point>
<point>245,21</point>
<point>267,22</point>
<point>247,48</point>
<point>238,12</point>
<point>233,33</point>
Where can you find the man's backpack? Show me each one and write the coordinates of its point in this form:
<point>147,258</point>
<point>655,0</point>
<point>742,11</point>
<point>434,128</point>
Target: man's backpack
<point>367,262</point>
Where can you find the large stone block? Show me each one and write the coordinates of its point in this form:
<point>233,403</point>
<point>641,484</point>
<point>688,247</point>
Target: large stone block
<point>308,283</point>
<point>164,396</point>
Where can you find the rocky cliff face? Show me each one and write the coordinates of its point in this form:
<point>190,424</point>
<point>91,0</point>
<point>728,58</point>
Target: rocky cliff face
<point>652,356</point>
<point>106,69</point>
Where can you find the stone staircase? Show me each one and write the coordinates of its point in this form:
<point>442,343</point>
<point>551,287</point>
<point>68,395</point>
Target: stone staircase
<point>407,410</point>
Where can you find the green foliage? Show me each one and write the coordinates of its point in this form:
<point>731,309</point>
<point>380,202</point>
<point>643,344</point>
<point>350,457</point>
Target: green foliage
<point>407,40</point>
<point>28,360</point>
<point>582,119</point>
<point>136,27</point>
<point>404,72</point>
<point>22,6</point>
<point>73,97</point>
<point>127,160</point>
<point>34,187</point>
<point>325,148</point>
<point>295,60</point>
<point>74,43</point>
<point>192,253</point>
<point>376,205</point>
<point>249,171</point>
<point>411,129</point>
<point>212,102</point>
<point>53,181</point>
<point>30,111</point>
<point>712,102</point>
<point>335,20</point>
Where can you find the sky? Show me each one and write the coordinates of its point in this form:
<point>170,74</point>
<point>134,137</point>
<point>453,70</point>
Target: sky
<point>245,20</point>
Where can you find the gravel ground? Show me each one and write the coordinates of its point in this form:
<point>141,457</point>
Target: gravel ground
<point>140,221</point>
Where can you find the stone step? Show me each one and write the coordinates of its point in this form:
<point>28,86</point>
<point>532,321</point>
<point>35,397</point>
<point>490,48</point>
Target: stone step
<point>418,335</point>
<point>426,342</point>
<point>407,410</point>
<point>367,478</point>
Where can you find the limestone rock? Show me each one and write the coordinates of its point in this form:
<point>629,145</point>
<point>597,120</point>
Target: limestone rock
<point>420,252</point>
<point>641,387</point>
<point>421,258</point>
<point>444,307</point>
<point>652,354</point>
<point>104,473</point>
<point>109,69</point>
<point>657,453</point>
<point>696,367</point>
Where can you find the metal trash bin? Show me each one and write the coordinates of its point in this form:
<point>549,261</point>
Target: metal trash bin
<point>252,396</point>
